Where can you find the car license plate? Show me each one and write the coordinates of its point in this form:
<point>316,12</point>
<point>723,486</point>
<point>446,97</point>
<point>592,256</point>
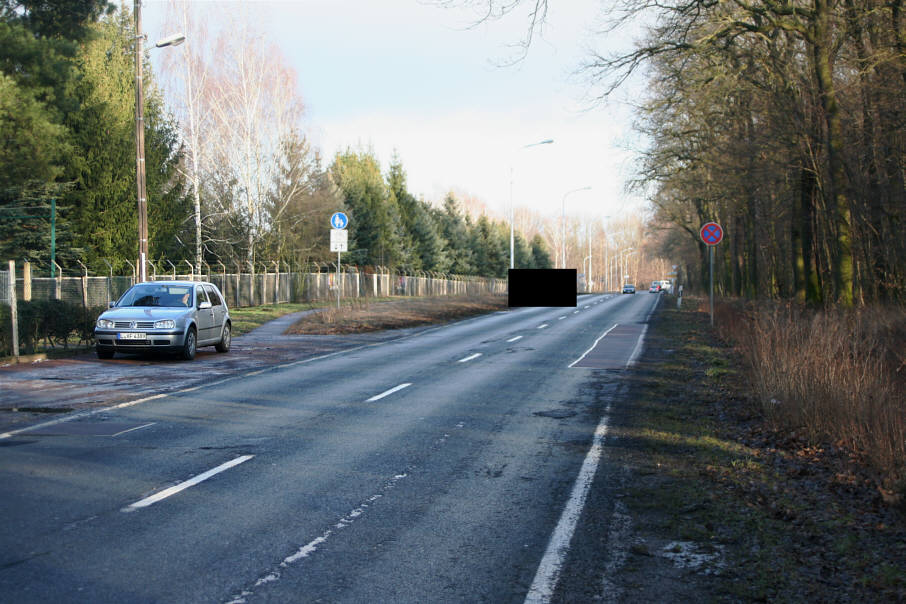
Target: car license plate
<point>132,336</point>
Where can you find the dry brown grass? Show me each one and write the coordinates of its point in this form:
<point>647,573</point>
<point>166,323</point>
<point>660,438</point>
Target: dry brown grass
<point>362,316</point>
<point>834,376</point>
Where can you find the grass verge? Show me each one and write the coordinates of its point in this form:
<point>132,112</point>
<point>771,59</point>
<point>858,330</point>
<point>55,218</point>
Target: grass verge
<point>769,514</point>
<point>368,315</point>
<point>251,317</point>
<point>248,318</point>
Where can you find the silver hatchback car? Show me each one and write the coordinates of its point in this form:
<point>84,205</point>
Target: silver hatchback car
<point>166,316</point>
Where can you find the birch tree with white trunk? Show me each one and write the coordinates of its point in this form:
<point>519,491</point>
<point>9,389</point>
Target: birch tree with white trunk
<point>188,81</point>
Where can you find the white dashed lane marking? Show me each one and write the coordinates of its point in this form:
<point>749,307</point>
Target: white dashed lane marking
<point>471,357</point>
<point>387,393</point>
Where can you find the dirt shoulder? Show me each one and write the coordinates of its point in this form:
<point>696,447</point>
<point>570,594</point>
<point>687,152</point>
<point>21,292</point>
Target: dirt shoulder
<point>712,504</point>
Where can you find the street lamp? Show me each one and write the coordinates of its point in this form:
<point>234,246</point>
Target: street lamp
<point>512,209</point>
<point>173,40</point>
<point>563,223</point>
<point>627,251</point>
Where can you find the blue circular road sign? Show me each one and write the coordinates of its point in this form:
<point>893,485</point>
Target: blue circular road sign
<point>339,220</point>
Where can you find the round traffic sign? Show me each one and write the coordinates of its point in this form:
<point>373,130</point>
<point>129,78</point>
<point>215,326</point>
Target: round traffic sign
<point>712,233</point>
<point>339,220</point>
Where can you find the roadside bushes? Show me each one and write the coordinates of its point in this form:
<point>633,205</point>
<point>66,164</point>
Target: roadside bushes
<point>835,375</point>
<point>48,324</point>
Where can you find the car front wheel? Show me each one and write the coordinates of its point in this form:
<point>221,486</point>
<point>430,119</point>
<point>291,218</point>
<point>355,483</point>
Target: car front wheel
<point>104,353</point>
<point>189,346</point>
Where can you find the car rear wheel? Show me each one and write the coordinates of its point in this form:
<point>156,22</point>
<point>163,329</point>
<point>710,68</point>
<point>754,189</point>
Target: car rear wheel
<point>189,347</point>
<point>225,339</point>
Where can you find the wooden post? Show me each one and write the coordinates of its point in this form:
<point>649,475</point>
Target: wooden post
<point>26,281</point>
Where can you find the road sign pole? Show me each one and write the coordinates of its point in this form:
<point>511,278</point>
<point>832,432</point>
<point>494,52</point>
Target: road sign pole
<point>338,238</point>
<point>711,249</point>
<point>711,234</point>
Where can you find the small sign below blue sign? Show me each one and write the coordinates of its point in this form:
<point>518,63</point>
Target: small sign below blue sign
<point>339,220</point>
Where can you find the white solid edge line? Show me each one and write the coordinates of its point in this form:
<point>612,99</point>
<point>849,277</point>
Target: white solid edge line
<point>388,392</point>
<point>584,354</point>
<point>471,357</point>
<point>185,485</point>
<point>638,347</point>
<point>548,573</point>
<point>651,312</point>
<point>514,339</point>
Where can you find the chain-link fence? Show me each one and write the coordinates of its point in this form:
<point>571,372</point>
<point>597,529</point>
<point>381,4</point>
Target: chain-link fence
<point>4,287</point>
<point>247,289</point>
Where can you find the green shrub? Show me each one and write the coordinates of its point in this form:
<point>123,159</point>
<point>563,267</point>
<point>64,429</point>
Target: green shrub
<point>48,322</point>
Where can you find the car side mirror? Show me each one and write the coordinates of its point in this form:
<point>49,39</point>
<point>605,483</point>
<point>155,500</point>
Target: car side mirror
<point>111,304</point>
<point>204,305</point>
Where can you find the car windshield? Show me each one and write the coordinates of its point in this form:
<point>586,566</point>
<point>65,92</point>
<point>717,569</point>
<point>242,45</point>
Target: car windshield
<point>152,294</point>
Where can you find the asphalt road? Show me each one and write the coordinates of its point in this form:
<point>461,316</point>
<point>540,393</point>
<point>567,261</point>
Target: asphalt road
<point>443,466</point>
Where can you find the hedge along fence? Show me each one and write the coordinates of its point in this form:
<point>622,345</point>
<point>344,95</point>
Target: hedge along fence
<point>81,299</point>
<point>49,322</point>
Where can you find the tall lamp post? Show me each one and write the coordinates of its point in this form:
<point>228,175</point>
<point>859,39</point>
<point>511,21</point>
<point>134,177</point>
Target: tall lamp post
<point>626,251</point>
<point>563,224</point>
<point>512,209</point>
<point>174,40</point>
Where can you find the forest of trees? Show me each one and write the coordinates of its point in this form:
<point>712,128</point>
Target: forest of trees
<point>67,122</point>
<point>783,120</point>
<point>231,177</point>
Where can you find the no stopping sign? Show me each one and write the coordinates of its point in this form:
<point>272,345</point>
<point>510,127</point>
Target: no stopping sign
<point>712,233</point>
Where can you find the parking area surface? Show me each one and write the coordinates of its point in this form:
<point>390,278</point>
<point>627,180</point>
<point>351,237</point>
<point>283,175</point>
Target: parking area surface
<point>34,392</point>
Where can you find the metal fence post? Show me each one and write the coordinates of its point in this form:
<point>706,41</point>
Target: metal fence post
<point>58,282</point>
<point>191,270</point>
<point>84,285</point>
<point>238,283</point>
<point>109,281</point>
<point>132,266</point>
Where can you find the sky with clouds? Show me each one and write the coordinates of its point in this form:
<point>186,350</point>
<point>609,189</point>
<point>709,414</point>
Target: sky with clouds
<point>430,84</point>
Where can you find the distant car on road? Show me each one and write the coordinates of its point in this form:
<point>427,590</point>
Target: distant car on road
<point>166,316</point>
<point>655,287</point>
<point>629,288</point>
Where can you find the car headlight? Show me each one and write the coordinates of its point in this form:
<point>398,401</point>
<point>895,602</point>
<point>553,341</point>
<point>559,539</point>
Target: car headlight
<point>165,324</point>
<point>105,323</point>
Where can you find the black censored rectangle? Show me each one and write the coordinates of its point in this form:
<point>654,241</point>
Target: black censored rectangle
<point>542,287</point>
